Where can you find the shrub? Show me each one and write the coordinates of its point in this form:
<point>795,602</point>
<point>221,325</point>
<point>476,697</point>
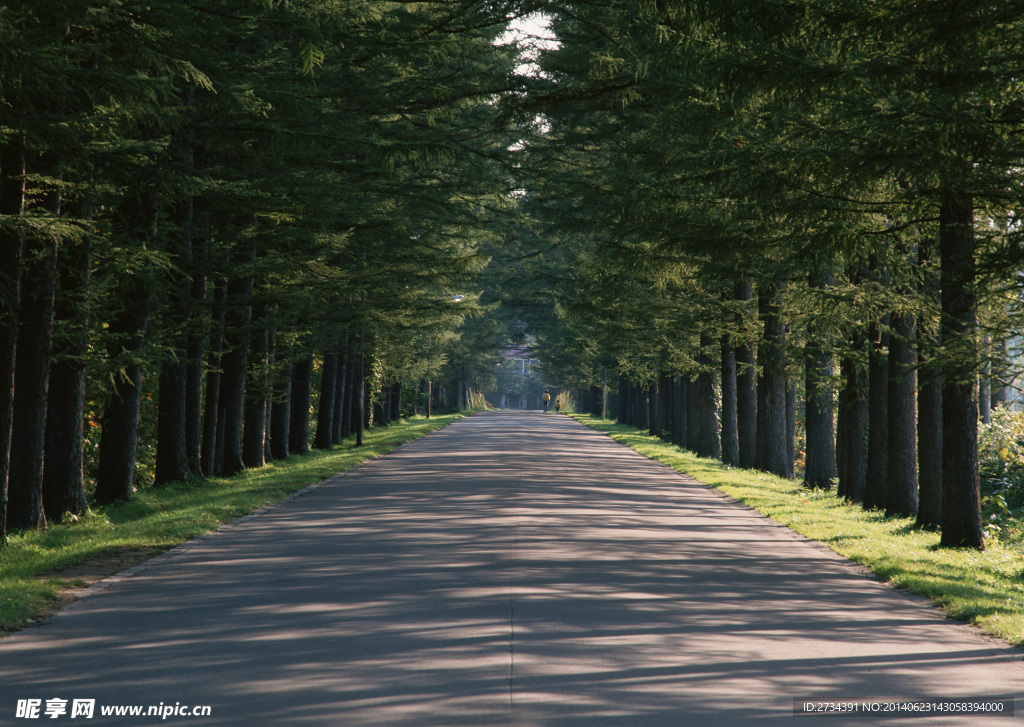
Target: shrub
<point>1001,459</point>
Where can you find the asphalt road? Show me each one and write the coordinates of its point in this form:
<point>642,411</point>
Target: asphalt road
<point>511,569</point>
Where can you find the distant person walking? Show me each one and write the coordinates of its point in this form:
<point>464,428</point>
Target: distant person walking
<point>546,398</point>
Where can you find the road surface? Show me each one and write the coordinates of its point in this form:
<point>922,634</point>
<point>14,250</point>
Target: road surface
<point>511,569</point>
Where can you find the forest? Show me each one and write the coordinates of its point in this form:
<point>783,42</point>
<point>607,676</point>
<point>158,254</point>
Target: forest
<point>782,234</point>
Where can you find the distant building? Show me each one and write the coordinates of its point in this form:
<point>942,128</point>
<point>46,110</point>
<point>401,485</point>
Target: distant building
<point>520,357</point>
<point>517,385</point>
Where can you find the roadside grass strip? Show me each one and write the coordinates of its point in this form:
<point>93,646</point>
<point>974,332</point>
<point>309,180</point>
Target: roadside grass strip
<point>36,567</point>
<point>983,588</point>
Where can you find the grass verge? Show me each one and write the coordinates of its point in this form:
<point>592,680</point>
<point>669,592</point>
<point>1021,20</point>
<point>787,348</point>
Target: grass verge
<point>39,571</point>
<point>983,588</point>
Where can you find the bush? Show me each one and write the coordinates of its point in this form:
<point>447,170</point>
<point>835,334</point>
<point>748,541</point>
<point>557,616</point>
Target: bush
<point>1001,458</point>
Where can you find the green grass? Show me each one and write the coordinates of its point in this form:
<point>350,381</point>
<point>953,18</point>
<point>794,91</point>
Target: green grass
<point>33,565</point>
<point>984,588</point>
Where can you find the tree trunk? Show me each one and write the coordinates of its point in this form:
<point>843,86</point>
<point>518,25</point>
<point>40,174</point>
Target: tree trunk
<point>878,416</point>
<point>337,432</point>
<point>853,475</point>
<point>396,401</point>
<point>280,418</point>
<point>709,442</point>
<point>115,471</point>
<point>901,461</point>
<point>172,462</point>
<point>679,423</point>
<point>63,481</point>
<point>820,466</point>
<point>929,448</point>
<point>254,442</point>
<point>961,493</point>
<point>929,397</point>
<point>654,410</point>
<point>328,392</point>
<point>349,401</point>
<point>171,456</point>
<point>692,420</point>
<point>270,393</point>
<point>621,417</point>
<point>302,383</point>
<point>730,430</point>
<point>790,428</point>
<point>12,206</point>
<point>194,379</point>
<point>771,453</point>
<point>234,364</point>
<point>666,392</point>
<point>211,415</point>
<point>32,371</point>
<point>746,392</point>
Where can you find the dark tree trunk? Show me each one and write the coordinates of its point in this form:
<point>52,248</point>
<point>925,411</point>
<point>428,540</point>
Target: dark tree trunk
<point>666,392</point>
<point>709,442</point>
<point>254,442</point>
<point>679,422</point>
<point>63,477</point>
<point>654,410</point>
<point>234,364</point>
<point>396,401</point>
<point>172,461</point>
<point>901,463</point>
<point>929,403</point>
<point>746,392</point>
<point>349,402</point>
<point>337,432</point>
<point>12,206</point>
<point>328,392</point>
<point>791,408</point>
<point>730,430</point>
<point>929,448</point>
<point>171,455</point>
<point>961,495</point>
<point>302,384</point>
<point>692,419</point>
<point>280,418</point>
<point>211,415</point>
<point>621,417</point>
<point>878,416</point>
<point>115,471</point>
<point>32,371</point>
<point>194,380</point>
<point>772,454</point>
<point>853,399</point>
<point>270,393</point>
<point>821,449</point>
<point>63,480</point>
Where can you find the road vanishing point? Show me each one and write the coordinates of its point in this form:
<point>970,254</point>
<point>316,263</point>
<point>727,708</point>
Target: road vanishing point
<point>510,569</point>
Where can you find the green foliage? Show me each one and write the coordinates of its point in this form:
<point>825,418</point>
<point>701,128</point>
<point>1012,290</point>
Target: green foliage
<point>1001,456</point>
